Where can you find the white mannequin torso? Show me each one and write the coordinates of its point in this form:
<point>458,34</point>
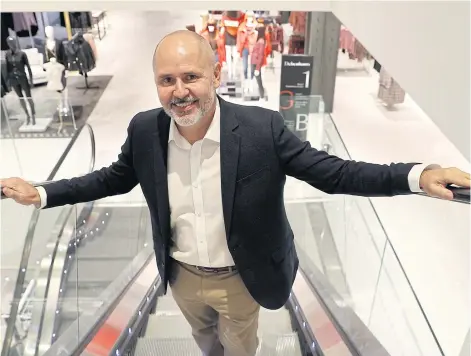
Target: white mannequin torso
<point>54,73</point>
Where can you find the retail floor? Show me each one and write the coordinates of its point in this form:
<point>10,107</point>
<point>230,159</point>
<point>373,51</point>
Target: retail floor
<point>434,252</point>
<point>47,102</point>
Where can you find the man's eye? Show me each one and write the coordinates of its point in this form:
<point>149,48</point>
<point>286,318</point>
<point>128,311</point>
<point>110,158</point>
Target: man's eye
<point>191,77</point>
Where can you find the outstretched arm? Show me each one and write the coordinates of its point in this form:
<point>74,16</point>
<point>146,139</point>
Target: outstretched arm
<point>118,178</point>
<point>333,175</point>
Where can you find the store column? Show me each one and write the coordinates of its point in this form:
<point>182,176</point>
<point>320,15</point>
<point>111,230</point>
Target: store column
<point>322,42</point>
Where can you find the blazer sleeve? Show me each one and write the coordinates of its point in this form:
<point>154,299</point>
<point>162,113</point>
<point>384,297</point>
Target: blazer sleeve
<point>333,175</point>
<point>118,178</point>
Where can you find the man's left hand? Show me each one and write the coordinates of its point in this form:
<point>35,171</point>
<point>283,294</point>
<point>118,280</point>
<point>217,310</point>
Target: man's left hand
<point>434,181</point>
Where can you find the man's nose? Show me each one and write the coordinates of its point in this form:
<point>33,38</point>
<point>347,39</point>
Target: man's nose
<point>180,90</point>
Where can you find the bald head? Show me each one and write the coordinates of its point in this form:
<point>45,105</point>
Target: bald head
<point>182,43</point>
<point>186,75</point>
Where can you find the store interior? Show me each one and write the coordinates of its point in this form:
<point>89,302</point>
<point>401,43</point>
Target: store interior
<point>376,118</point>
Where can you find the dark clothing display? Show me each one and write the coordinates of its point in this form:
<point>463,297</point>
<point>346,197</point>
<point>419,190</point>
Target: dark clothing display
<point>18,80</point>
<point>79,54</point>
<point>16,63</point>
<point>80,20</point>
<point>257,153</point>
<point>58,53</point>
<point>296,44</point>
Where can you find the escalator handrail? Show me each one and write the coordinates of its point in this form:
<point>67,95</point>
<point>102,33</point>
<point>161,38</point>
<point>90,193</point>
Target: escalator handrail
<point>30,236</point>
<point>460,195</point>
<point>388,242</point>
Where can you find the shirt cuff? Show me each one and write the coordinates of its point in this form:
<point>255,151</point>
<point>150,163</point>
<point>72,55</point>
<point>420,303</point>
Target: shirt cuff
<point>415,173</point>
<point>42,197</point>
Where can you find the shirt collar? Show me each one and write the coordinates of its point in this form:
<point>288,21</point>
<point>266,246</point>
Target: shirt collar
<point>213,133</point>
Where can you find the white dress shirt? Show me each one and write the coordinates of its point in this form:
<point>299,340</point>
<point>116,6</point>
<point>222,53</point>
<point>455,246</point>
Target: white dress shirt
<point>194,184</point>
<point>194,189</point>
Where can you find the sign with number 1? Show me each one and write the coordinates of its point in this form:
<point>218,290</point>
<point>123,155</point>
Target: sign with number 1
<point>295,87</point>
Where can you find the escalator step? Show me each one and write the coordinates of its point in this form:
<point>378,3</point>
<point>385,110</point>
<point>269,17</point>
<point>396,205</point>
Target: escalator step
<point>172,324</point>
<point>270,345</point>
<point>166,304</point>
<point>167,347</point>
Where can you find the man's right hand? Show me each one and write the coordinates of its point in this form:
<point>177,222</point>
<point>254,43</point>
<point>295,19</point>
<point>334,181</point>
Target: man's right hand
<point>20,191</point>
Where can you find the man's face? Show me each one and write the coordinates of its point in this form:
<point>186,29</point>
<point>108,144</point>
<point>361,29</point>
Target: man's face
<point>186,82</point>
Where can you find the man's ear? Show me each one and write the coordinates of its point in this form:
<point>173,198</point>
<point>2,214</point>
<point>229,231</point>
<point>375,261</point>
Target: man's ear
<point>217,75</point>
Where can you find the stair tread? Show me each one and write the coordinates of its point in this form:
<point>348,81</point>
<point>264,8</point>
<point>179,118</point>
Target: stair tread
<point>269,345</point>
<point>171,323</point>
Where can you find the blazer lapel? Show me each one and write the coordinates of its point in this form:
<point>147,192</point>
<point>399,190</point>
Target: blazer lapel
<point>160,145</point>
<point>230,144</point>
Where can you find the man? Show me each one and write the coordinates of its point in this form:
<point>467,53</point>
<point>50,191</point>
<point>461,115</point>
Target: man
<point>213,175</point>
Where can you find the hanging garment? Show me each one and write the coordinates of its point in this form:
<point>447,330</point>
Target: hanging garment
<point>80,20</point>
<point>257,57</point>
<point>389,91</point>
<point>91,41</point>
<point>23,21</point>
<point>277,38</point>
<point>79,54</point>
<point>360,52</point>
<point>347,41</point>
<point>57,52</point>
<point>246,38</point>
<point>230,22</point>
<point>297,19</point>
<point>25,24</point>
<point>296,44</point>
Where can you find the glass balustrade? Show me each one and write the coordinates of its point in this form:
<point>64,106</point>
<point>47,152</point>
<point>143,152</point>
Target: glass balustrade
<point>345,251</point>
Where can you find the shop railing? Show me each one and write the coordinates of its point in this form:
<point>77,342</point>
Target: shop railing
<point>29,245</point>
<point>351,264</point>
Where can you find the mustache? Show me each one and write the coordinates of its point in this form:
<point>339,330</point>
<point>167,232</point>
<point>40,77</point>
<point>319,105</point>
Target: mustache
<point>188,99</point>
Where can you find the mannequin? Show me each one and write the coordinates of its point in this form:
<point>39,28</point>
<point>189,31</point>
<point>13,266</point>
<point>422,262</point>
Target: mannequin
<point>55,75</point>
<point>257,60</point>
<point>246,39</point>
<point>230,22</point>
<point>16,61</point>
<point>211,34</point>
<point>51,44</point>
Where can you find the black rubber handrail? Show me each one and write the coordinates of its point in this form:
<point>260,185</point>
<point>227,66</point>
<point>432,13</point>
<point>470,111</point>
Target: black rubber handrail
<point>30,236</point>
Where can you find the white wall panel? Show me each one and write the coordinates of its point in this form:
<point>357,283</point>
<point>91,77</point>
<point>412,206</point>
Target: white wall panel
<point>425,45</point>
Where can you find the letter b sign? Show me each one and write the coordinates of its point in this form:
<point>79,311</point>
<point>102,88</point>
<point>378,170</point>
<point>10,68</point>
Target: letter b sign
<point>302,122</point>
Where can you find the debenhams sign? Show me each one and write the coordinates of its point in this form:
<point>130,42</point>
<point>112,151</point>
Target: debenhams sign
<point>296,64</point>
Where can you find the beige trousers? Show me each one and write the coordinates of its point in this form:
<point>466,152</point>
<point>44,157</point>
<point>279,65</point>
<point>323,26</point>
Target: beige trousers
<point>222,314</point>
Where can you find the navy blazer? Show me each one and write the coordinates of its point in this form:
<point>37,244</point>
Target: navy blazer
<point>257,152</point>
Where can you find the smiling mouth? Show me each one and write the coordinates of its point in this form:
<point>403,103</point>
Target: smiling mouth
<point>185,106</point>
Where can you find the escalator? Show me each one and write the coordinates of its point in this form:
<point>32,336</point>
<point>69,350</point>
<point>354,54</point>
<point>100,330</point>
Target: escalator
<point>96,290</point>
<point>168,333</point>
<point>91,268</point>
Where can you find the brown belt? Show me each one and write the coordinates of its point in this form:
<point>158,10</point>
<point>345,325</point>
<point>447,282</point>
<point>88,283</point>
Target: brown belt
<point>216,269</point>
